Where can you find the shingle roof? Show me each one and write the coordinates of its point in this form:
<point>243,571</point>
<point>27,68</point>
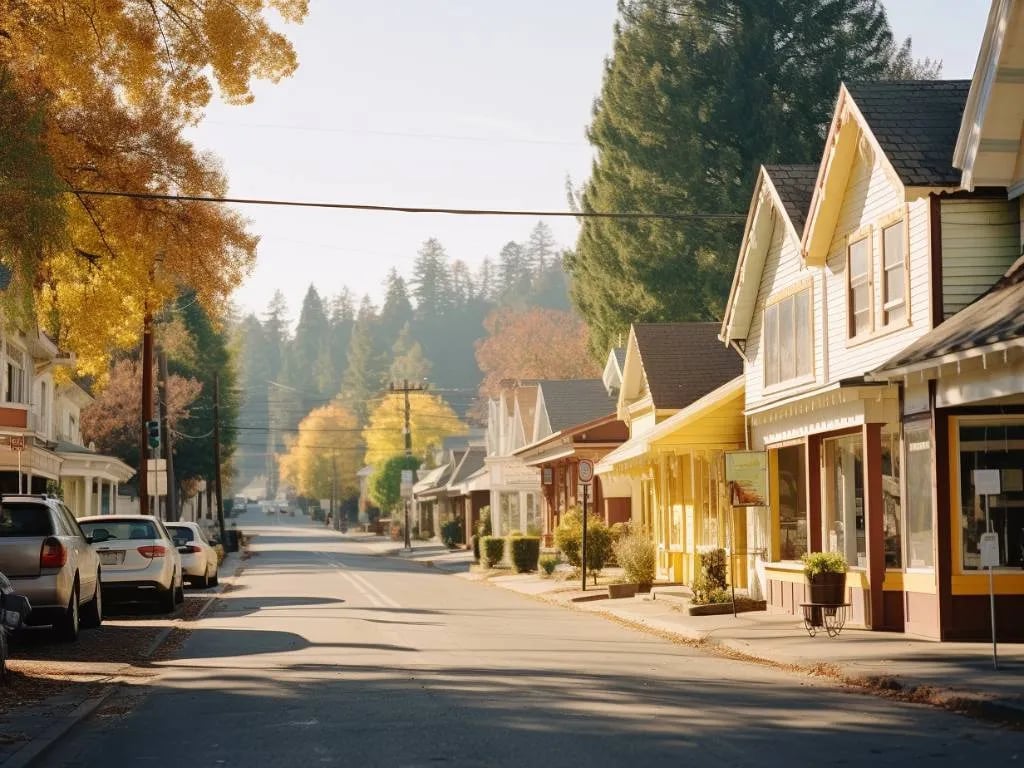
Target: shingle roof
<point>620,356</point>
<point>684,361</point>
<point>471,462</point>
<point>916,122</point>
<point>996,316</point>
<point>574,402</point>
<point>795,185</point>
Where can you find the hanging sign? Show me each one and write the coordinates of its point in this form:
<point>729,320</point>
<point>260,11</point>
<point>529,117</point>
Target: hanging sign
<point>986,482</point>
<point>585,471</point>
<point>17,442</point>
<point>746,474</point>
<point>989,548</point>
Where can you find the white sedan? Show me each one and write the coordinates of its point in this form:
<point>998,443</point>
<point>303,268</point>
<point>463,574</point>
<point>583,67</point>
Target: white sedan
<point>139,558</point>
<point>198,558</point>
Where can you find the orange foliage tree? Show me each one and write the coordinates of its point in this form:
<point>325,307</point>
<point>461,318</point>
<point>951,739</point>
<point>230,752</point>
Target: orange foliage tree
<point>532,343</point>
<point>118,82</point>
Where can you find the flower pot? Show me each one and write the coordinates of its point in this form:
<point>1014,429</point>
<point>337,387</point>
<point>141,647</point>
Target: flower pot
<point>828,588</point>
<point>621,590</point>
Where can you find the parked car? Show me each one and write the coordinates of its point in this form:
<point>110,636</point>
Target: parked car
<point>199,559</point>
<point>139,557</point>
<point>14,612</point>
<point>48,558</point>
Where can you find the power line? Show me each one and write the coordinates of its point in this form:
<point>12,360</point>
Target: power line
<point>411,209</point>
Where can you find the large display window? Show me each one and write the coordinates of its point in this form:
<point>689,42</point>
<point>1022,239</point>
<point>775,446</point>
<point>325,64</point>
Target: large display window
<point>843,513</point>
<point>995,444</point>
<point>920,495</point>
<point>792,484</point>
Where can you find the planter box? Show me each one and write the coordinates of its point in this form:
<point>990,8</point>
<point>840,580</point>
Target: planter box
<point>616,591</point>
<point>719,609</point>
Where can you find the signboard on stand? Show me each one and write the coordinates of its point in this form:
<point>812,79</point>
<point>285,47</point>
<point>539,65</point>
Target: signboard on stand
<point>746,475</point>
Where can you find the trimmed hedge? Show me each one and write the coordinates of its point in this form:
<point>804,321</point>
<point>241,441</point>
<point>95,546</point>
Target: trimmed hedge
<point>493,550</point>
<point>525,552</point>
<point>451,533</point>
<point>476,548</point>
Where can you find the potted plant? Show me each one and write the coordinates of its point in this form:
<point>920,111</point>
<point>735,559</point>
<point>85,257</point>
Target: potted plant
<point>826,577</point>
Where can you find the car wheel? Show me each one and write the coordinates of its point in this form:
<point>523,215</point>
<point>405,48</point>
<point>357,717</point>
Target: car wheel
<point>3,652</point>
<point>214,579</point>
<point>69,623</point>
<point>179,591</point>
<point>92,616</point>
<point>204,583</point>
<point>167,598</point>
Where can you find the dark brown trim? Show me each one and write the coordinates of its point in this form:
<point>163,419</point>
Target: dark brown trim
<point>941,510</point>
<point>814,493</point>
<point>874,512</point>
<point>935,235</point>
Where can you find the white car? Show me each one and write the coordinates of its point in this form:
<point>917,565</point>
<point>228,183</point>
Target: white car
<point>198,558</point>
<point>140,560</point>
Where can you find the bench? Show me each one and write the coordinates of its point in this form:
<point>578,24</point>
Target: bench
<point>828,616</point>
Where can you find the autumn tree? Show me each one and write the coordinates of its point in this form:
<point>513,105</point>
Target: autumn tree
<point>112,419</point>
<point>323,458</point>
<point>431,420</point>
<point>118,82</point>
<point>532,344</point>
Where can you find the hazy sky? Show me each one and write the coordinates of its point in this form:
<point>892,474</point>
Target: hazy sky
<point>451,103</point>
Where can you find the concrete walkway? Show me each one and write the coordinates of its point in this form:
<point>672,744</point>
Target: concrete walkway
<point>955,675</point>
<point>428,553</point>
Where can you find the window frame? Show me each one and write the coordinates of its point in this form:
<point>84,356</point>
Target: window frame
<point>792,293</point>
<point>865,236</point>
<point>895,220</point>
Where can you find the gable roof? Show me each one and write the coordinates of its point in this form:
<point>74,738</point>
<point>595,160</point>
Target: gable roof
<point>993,322</point>
<point>572,402</point>
<point>682,362</point>
<point>782,189</point>
<point>795,187</point>
<point>472,461</point>
<point>916,123</point>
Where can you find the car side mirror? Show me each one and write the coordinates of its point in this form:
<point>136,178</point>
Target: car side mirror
<point>214,542</point>
<point>97,537</point>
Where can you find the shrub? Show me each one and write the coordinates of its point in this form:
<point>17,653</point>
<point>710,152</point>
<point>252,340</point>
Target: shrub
<point>823,562</point>
<point>525,552</point>
<point>709,585</point>
<point>635,552</point>
<point>493,550</point>
<point>476,547</point>
<point>483,525</point>
<point>548,563</point>
<point>451,533</point>
<point>569,538</point>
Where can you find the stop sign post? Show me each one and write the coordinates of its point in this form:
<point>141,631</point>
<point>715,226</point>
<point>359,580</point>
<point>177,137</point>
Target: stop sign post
<point>585,474</point>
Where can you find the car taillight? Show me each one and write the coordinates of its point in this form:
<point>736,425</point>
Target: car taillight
<point>151,551</point>
<point>53,554</point>
<point>192,549</point>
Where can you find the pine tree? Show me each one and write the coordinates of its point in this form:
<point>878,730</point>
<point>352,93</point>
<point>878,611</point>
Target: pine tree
<point>431,285</point>
<point>514,272</point>
<point>540,248</point>
<point>408,361</point>
<point>364,374</point>
<point>397,310</point>
<point>698,94</point>
<point>308,367</point>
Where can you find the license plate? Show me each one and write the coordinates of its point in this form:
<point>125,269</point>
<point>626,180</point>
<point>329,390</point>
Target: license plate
<point>112,558</point>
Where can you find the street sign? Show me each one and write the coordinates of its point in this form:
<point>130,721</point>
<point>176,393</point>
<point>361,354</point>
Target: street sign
<point>17,442</point>
<point>585,471</point>
<point>407,481</point>
<point>156,476</point>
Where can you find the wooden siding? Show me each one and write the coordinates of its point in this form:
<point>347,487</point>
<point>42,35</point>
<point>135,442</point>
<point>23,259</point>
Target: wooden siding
<point>783,268</point>
<point>873,199</point>
<point>980,240</point>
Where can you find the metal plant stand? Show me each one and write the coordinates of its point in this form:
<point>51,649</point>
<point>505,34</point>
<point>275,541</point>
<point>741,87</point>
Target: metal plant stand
<point>825,616</point>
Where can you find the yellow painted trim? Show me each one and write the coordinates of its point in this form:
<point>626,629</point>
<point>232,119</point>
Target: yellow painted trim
<point>893,581</point>
<point>792,574</point>
<point>977,583</point>
<point>775,545</point>
<point>858,580</point>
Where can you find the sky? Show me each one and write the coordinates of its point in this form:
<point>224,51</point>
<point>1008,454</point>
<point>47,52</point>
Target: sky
<point>481,105</point>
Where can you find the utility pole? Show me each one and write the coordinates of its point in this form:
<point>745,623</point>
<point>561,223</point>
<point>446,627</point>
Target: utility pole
<point>147,410</point>
<point>171,509</point>
<point>405,389</point>
<point>216,457</point>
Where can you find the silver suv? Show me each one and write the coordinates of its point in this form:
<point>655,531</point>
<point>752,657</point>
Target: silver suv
<point>50,561</point>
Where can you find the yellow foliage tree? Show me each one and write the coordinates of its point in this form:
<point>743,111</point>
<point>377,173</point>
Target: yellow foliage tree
<point>120,80</point>
<point>326,449</point>
<point>431,419</point>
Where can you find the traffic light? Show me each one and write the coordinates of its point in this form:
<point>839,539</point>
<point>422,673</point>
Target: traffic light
<point>153,432</point>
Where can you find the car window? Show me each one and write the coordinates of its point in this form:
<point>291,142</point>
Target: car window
<point>182,535</point>
<point>122,529</point>
<point>163,531</point>
<point>25,519</point>
<point>69,521</point>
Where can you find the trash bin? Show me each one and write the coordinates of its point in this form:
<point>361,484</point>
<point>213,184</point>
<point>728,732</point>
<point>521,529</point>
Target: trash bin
<point>231,540</point>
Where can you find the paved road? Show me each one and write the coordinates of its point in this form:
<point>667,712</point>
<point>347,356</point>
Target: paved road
<point>323,655</point>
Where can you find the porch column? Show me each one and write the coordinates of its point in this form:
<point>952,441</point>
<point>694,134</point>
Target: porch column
<point>874,524</point>
<point>87,500</point>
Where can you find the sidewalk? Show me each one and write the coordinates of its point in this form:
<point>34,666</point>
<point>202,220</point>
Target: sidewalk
<point>958,676</point>
<point>428,553</point>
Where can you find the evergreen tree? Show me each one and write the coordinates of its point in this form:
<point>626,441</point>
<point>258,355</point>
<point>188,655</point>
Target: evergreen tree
<point>540,248</point>
<point>342,320</point>
<point>408,360</point>
<point>397,310</point>
<point>364,375</point>
<point>485,280</point>
<point>309,369</point>
<point>515,274</point>
<point>462,288</point>
<point>431,286</point>
<point>697,94</point>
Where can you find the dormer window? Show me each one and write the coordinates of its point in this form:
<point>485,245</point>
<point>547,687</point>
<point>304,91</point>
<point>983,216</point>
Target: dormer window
<point>788,354</point>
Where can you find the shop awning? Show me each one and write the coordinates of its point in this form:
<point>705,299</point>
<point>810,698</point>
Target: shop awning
<point>433,484</point>
<point>676,431</point>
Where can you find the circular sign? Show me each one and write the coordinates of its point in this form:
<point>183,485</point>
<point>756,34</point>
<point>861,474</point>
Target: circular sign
<point>585,471</point>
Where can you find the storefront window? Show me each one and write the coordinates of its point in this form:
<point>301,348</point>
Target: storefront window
<point>920,530</point>
<point>792,485</point>
<point>533,521</point>
<point>843,514</point>
<point>891,499</point>
<point>509,512</point>
<point>992,446</point>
